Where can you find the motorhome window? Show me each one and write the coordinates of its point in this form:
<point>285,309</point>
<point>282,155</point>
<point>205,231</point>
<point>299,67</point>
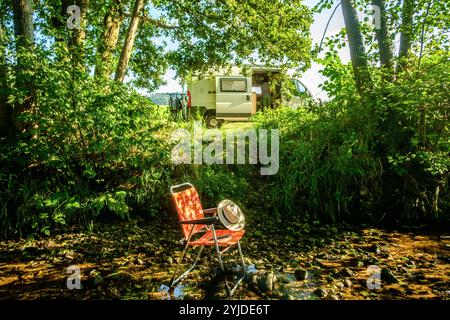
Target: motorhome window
<point>233,85</point>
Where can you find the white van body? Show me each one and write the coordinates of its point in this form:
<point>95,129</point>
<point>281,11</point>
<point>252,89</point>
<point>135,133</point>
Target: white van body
<point>230,95</point>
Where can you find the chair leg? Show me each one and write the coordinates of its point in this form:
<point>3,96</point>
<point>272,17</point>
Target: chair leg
<point>172,281</point>
<point>219,256</point>
<point>244,271</point>
<point>241,255</point>
<point>216,244</point>
<point>231,291</point>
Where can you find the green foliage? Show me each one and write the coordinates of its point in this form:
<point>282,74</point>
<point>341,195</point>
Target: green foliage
<point>217,182</point>
<point>188,35</point>
<point>326,167</point>
<point>339,84</point>
<point>89,148</point>
<point>403,113</point>
<point>92,149</point>
<point>415,135</point>
<point>406,132</point>
<point>214,33</point>
<point>83,148</point>
<point>82,141</point>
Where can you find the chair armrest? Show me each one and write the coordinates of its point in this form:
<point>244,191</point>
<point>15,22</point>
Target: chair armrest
<point>210,211</point>
<point>209,220</point>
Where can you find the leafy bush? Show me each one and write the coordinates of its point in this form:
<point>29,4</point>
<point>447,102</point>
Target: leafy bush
<point>325,167</point>
<point>383,160</point>
<point>414,140</point>
<point>88,138</point>
<point>96,149</point>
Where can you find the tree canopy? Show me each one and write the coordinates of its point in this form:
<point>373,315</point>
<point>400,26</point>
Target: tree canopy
<point>186,35</point>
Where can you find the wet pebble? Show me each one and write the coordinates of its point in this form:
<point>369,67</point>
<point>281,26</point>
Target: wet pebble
<point>301,274</point>
<point>387,276</point>
<point>320,292</point>
<point>251,294</point>
<point>254,279</point>
<point>357,263</point>
<point>288,297</point>
<point>323,256</point>
<point>347,283</point>
<point>270,281</point>
<point>277,294</point>
<point>265,282</point>
<point>375,249</point>
<point>398,292</point>
<point>346,272</point>
<point>95,278</point>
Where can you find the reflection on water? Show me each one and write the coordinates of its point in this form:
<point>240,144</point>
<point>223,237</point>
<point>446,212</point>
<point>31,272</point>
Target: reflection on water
<point>251,269</point>
<point>299,290</point>
<point>289,286</point>
<point>176,293</point>
<point>179,292</point>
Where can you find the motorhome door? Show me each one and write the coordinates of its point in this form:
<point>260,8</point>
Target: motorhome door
<point>233,97</point>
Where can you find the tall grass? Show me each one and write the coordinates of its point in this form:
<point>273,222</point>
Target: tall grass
<point>326,166</point>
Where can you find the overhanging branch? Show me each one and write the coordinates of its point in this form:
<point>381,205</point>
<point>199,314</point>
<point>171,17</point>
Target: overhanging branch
<point>153,21</point>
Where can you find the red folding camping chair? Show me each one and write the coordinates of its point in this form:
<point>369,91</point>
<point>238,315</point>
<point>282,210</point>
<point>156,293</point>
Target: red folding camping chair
<point>193,222</point>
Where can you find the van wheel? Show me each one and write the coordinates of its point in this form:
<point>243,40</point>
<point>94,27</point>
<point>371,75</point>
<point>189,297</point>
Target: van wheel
<point>212,122</point>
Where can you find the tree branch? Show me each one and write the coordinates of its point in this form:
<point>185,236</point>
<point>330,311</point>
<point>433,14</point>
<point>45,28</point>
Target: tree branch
<point>423,33</point>
<point>154,22</point>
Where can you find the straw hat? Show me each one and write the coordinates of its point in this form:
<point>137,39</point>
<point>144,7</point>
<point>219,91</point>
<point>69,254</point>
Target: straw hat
<point>230,215</point>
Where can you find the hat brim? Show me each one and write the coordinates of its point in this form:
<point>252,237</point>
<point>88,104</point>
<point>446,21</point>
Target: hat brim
<point>239,225</point>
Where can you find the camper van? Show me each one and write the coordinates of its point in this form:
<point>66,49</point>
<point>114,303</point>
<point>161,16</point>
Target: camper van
<point>235,94</point>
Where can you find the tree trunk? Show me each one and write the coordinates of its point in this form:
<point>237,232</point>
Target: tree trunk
<point>356,44</point>
<point>112,22</point>
<point>383,39</point>
<point>80,34</point>
<point>24,32</point>
<point>406,30</point>
<point>76,43</point>
<point>422,33</point>
<point>23,23</point>
<point>5,108</point>
<point>129,41</point>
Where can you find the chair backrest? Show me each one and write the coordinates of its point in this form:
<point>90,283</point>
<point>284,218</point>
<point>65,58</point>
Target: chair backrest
<point>189,207</point>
